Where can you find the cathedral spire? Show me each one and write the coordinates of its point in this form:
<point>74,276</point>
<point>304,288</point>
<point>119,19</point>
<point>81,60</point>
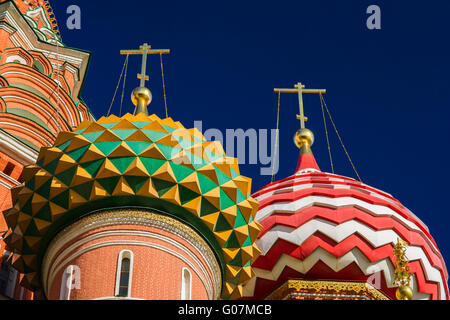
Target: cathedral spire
<point>304,138</point>
<point>142,96</point>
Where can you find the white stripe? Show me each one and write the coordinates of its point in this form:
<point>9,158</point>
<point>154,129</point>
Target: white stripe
<point>51,89</point>
<point>32,133</point>
<point>340,232</point>
<point>337,186</point>
<point>337,264</point>
<point>295,206</point>
<point>39,107</point>
<point>21,152</point>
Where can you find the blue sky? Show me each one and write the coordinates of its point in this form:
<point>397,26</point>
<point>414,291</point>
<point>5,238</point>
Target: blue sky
<point>388,89</point>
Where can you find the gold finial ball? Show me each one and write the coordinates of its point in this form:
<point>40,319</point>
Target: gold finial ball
<point>303,136</point>
<point>404,293</point>
<point>141,94</point>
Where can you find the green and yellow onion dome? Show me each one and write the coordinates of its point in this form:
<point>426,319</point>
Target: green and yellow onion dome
<point>136,161</point>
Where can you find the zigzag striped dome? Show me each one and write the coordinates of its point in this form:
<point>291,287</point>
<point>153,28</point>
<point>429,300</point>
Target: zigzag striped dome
<point>321,226</point>
<point>136,161</point>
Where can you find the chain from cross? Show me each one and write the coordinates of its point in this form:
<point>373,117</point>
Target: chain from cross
<point>144,50</point>
<point>300,90</point>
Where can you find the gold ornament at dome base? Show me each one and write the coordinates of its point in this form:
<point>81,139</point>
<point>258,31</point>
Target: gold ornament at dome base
<point>404,293</point>
<point>402,275</point>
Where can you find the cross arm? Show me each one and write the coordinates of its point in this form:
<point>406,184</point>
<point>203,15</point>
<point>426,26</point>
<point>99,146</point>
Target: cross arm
<point>303,90</point>
<point>156,51</point>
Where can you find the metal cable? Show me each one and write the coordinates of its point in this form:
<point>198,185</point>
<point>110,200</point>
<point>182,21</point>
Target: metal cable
<point>118,83</point>
<point>342,143</point>
<point>164,85</point>
<point>276,139</point>
<point>123,87</point>
<point>326,134</point>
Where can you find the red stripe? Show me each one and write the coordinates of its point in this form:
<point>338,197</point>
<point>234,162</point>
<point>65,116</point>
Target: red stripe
<point>343,214</point>
<point>336,193</point>
<point>314,177</point>
<point>352,272</point>
<point>267,262</point>
<point>320,271</point>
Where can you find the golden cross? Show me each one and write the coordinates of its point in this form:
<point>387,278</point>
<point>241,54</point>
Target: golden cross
<point>145,49</point>
<point>300,90</point>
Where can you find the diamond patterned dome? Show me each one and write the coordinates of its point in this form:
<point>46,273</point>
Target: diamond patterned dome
<point>136,161</point>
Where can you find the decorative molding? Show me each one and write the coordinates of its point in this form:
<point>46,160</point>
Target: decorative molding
<point>17,149</point>
<point>336,264</point>
<point>62,102</point>
<point>132,217</point>
<point>341,289</point>
<point>8,178</point>
<point>33,133</point>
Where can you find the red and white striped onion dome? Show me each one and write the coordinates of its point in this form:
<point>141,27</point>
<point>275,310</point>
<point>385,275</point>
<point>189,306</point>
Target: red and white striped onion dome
<point>322,226</point>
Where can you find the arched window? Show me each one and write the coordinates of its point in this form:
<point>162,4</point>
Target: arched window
<point>70,280</point>
<point>16,59</point>
<point>38,66</point>
<point>124,273</point>
<point>186,283</point>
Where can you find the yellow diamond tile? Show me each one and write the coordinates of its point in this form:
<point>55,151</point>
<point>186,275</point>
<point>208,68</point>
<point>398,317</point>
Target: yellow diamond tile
<point>246,209</point>
<point>63,137</point>
<point>210,172</point>
<point>172,196</point>
<point>77,142</point>
<point>243,184</point>
<point>222,236</point>
<point>230,253</point>
<point>169,140</point>
<point>214,146</point>
<point>64,164</point>
<point>51,154</point>
<point>107,170</point>
<point>213,196</point>
<point>56,188</point>
<point>122,188</point>
<point>91,154</point>
<point>230,189</point>
<point>124,124</point>
<point>136,168</point>
<point>155,126</point>
<point>241,234</point>
<point>191,182</point>
<point>98,192</point>
<point>122,150</point>
<point>194,206</point>
<point>230,215</point>
<point>81,176</point>
<point>75,199</point>
<point>211,219</point>
<point>94,127</point>
<point>153,152</point>
<point>165,173</point>
<point>139,136</point>
<point>107,136</point>
<point>148,190</point>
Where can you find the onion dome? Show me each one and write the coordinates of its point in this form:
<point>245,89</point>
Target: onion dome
<point>136,161</point>
<point>322,226</point>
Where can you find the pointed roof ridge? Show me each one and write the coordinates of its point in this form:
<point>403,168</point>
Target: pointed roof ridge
<point>306,160</point>
<point>304,139</point>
